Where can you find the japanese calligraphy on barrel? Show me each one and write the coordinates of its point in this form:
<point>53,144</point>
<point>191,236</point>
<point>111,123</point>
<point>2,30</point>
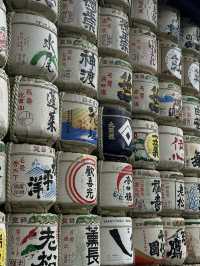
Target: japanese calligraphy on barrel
<point>4,35</point>
<point>146,192</point>
<point>170,98</point>
<point>3,161</point>
<point>115,81</point>
<point>116,241</point>
<point>47,8</point>
<point>33,47</point>
<point>145,11</point>
<point>173,193</point>
<point>191,115</point>
<point>4,103</point>
<point>79,16</point>
<point>79,121</point>
<point>145,101</point>
<point>192,229</point>
<point>192,196</point>
<point>146,144</point>
<point>31,184</point>
<point>115,133</point>
<point>175,241</point>
<point>169,22</point>
<point>30,99</point>
<point>77,182</point>
<point>190,37</point>
<point>113,37</point>
<point>143,50</point>
<point>170,60</point>
<point>78,65</point>
<point>32,239</point>
<point>148,241</point>
<point>171,148</point>
<point>190,75</point>
<point>115,186</point>
<point>79,241</point>
<point>192,154</point>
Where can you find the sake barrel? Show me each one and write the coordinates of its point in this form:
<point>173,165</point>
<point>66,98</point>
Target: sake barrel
<point>143,49</point>
<point>192,196</point>
<point>31,184</point>
<point>3,35</point>
<point>115,186</point>
<point>3,237</point>
<point>32,239</point>
<point>77,182</point>
<point>115,133</point>
<point>170,60</point>
<point>148,241</point>
<point>192,154</point>
<point>3,161</point>
<point>174,231</point>
<point>171,148</point>
<point>78,65</point>
<point>190,37</point>
<point>113,36</point>
<point>47,8</point>
<point>116,241</point>
<point>79,116</point>
<point>169,22</point>
<point>31,98</point>
<point>145,99</point>
<point>145,11</point>
<point>76,234</point>
<point>170,98</point>
<point>4,103</point>
<point>79,16</point>
<point>146,144</point>
<point>173,193</point>
<point>191,115</point>
<point>115,81</point>
<point>192,230</point>
<point>146,192</point>
<point>33,47</point>
<point>190,75</point>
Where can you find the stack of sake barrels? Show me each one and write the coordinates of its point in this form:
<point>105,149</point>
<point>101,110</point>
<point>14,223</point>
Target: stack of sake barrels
<point>32,67</point>
<point>115,146</point>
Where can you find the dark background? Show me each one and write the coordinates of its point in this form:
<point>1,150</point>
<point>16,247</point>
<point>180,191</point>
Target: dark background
<point>188,8</point>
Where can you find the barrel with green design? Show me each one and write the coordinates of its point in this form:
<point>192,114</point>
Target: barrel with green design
<point>32,239</point>
<point>79,241</point>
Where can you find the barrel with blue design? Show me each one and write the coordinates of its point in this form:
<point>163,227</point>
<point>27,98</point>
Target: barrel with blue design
<point>115,140</point>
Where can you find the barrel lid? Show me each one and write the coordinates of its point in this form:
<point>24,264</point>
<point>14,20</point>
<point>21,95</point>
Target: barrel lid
<point>171,174</point>
<point>145,173</point>
<point>192,221</point>
<point>139,123</point>
<point>71,156</point>
<point>32,149</point>
<point>25,81</point>
<point>2,146</point>
<point>111,110</point>
<point>32,19</point>
<point>165,85</point>
<point>146,221</point>
<point>170,130</point>
<point>115,167</point>
<point>77,42</point>
<point>115,221</point>
<point>75,98</point>
<point>80,219</point>
<point>188,99</point>
<point>141,31</point>
<point>191,139</point>
<point>137,77</point>
<point>24,219</point>
<point>111,61</point>
<point>113,11</point>
<point>173,221</point>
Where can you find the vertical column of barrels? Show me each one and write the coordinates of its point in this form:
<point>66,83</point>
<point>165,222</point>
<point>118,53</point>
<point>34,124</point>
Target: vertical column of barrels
<point>34,128</point>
